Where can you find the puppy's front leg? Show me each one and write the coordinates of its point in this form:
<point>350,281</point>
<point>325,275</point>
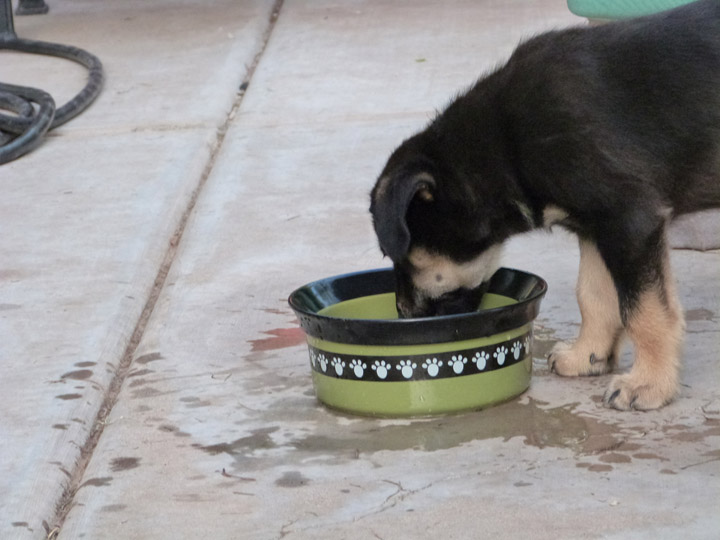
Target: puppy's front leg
<point>596,349</point>
<point>656,325</point>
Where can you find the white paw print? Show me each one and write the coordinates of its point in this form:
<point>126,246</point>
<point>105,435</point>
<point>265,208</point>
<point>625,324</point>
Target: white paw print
<point>526,344</point>
<point>313,358</point>
<point>406,367</point>
<point>500,355</point>
<point>338,365</point>
<point>323,362</point>
<point>381,368</point>
<point>457,363</point>
<point>358,368</point>
<point>516,347</point>
<point>432,365</point>
<point>480,360</point>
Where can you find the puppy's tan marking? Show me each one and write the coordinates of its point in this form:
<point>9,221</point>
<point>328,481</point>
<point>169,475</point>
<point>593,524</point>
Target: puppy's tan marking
<point>656,327</point>
<point>553,215</point>
<point>435,274</point>
<point>381,187</point>
<point>598,344</point>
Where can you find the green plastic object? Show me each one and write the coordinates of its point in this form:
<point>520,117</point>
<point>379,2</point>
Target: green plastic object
<point>476,383</point>
<point>424,398</point>
<point>621,9</point>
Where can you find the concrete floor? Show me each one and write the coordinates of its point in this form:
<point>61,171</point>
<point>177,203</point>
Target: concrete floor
<point>156,385</point>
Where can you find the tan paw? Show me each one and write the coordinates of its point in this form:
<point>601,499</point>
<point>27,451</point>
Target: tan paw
<point>629,391</point>
<point>576,360</point>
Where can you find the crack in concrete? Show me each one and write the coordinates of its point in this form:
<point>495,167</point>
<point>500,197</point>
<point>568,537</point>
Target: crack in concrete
<point>75,482</point>
<point>395,498</point>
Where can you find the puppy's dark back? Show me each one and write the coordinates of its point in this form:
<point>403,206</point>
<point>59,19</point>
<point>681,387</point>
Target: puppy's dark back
<point>637,102</point>
<point>616,125</point>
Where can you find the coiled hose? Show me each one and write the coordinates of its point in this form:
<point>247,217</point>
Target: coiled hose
<point>34,109</point>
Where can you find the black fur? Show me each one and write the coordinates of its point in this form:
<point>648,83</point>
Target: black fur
<point>618,125</point>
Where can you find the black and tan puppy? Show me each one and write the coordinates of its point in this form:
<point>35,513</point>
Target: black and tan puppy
<point>609,131</point>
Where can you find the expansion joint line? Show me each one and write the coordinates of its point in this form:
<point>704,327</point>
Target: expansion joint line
<point>54,525</point>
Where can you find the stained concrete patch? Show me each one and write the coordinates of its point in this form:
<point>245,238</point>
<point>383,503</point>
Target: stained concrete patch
<point>594,467</point>
<point>66,397</point>
<point>149,357</point>
<point>700,314</point>
<point>280,338</point>
<point>195,402</point>
<point>102,481</point>
<point>612,457</point>
<point>113,508</point>
<point>292,479</point>
<point>647,455</point>
<point>686,433</point>
<point>170,428</point>
<point>144,393</point>
<point>78,375</point>
<point>140,373</point>
<point>124,464</point>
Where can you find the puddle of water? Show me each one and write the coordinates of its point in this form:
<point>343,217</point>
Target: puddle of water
<point>558,427</point>
<point>259,439</point>
<point>541,348</point>
<point>543,342</point>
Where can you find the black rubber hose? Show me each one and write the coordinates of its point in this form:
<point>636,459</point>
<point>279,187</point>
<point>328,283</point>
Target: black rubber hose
<point>16,104</point>
<point>38,125</point>
<point>21,123</point>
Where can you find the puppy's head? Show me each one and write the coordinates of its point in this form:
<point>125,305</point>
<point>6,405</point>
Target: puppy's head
<point>432,221</point>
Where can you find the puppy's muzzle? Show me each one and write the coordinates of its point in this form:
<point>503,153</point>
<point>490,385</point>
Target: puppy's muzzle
<point>454,302</point>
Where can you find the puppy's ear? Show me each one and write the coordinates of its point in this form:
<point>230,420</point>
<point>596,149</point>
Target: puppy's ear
<point>391,200</point>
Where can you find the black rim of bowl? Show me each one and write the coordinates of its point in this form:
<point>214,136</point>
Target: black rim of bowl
<point>526,288</point>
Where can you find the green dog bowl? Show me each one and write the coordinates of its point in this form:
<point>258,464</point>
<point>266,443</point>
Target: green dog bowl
<point>365,360</point>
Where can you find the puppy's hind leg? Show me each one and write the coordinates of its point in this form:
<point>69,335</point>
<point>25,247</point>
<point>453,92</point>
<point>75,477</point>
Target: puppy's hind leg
<point>596,349</point>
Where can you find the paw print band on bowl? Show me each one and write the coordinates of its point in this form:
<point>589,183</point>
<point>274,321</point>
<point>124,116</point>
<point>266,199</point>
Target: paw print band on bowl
<point>365,360</point>
<point>423,367</point>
